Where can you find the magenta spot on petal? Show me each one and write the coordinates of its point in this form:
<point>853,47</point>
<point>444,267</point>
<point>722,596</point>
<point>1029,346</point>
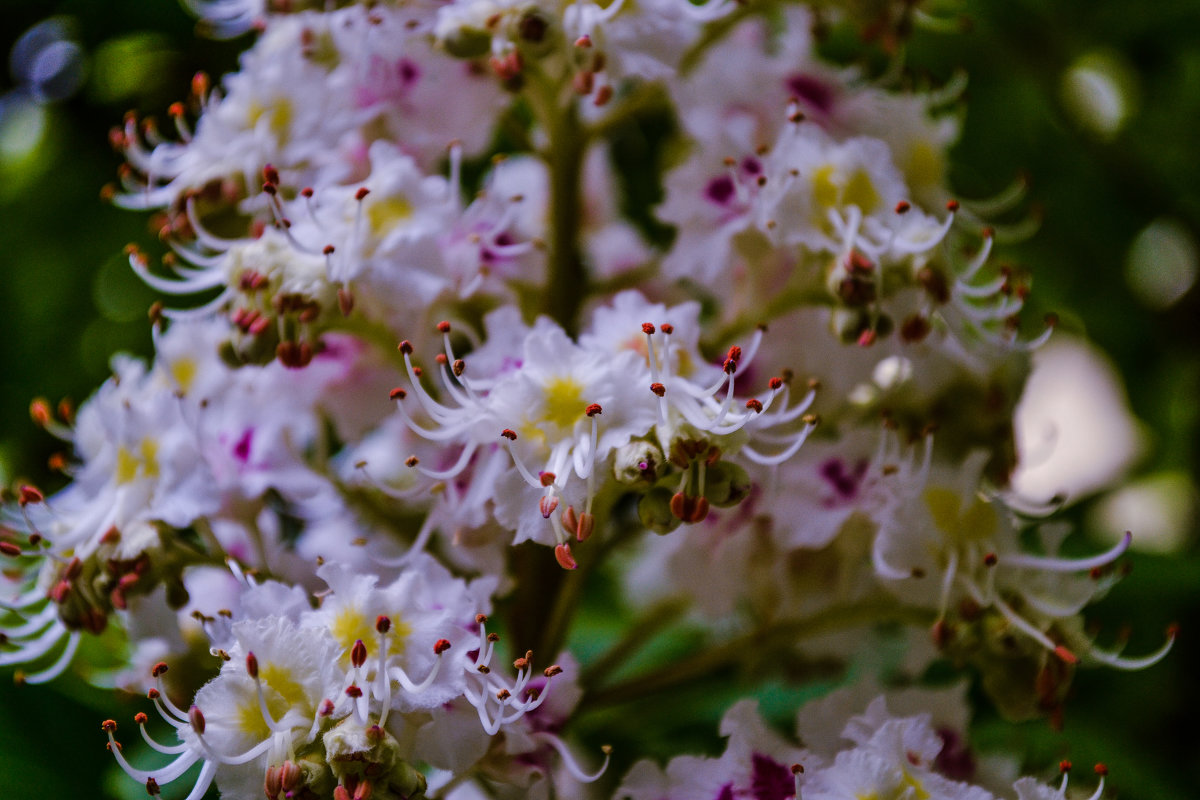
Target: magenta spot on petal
<point>812,91</point>
<point>719,190</point>
<point>408,71</point>
<point>770,780</point>
<point>241,450</point>
<point>751,166</point>
<point>955,760</point>
<point>845,483</point>
<point>726,792</point>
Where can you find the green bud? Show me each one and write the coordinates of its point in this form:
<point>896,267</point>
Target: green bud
<point>654,510</point>
<point>468,43</point>
<point>726,484</point>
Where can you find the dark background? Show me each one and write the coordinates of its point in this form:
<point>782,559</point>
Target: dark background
<point>70,301</point>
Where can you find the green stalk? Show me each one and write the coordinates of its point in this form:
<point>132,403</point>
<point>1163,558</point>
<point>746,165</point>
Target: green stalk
<point>759,642</point>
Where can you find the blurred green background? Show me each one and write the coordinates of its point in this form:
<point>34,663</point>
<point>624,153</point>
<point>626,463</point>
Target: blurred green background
<point>1098,101</point>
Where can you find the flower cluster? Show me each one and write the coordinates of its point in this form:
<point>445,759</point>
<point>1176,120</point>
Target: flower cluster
<point>419,353</point>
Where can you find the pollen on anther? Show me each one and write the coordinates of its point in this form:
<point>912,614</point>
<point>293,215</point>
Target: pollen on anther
<point>952,206</point>
<point>797,769</point>
<point>990,560</point>
<point>658,389</point>
<point>755,405</point>
<point>353,691</point>
<point>383,624</point>
<point>361,193</point>
<point>667,328</point>
<point>158,669</point>
<point>493,637</point>
<point>405,347</point>
<point>1064,766</point>
<point>510,434</point>
<point>108,726</point>
<point>903,206</point>
<point>552,670</point>
<point>397,393</point>
<point>547,478</point>
<point>647,328</point>
<point>328,250</point>
<point>441,646</point>
<point>593,409</point>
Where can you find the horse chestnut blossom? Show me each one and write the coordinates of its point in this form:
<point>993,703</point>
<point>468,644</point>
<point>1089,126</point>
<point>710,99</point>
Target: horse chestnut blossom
<point>439,387</point>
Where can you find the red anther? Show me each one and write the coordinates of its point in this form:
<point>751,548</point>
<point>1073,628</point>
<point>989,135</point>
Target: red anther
<point>775,383</point>
<point>361,193</point>
<point>197,719</point>
<point>647,328</point>
<point>358,653</point>
<point>988,233</point>
<point>797,769</point>
<point>867,338</point>
<point>503,694</point>
<point>481,619</point>
<point>734,354</point>
<point>990,560</point>
<point>689,509</point>
<point>306,192</point>
<point>290,776</point>
<point>405,347</point>
<point>441,359</point>
<point>592,409</point>
<point>443,327</point>
<point>510,434</point>
<point>383,623</point>
<point>252,665</point>
<point>755,405</point>
<point>326,708</point>
<point>269,188</point>
<point>1173,630</point>
<point>29,494</point>
<point>158,669</point>
<point>493,637</point>
<point>345,301</point>
<point>140,718</point>
<point>353,691</point>
<point>587,524</point>
<point>562,553</point>
<point>418,371</point>
<point>258,325</point>
<point>903,206</point>
<point>1066,655</point>
<point>941,633</point>
<point>552,670</point>
<point>152,694</point>
<point>273,783</point>
<point>200,84</point>
<point>952,206</point>
<point>570,520</point>
<point>441,646</point>
<point>340,793</point>
<point>329,250</point>
<point>667,328</point>
<point>152,787</point>
<point>1064,766</point>
<point>1051,320</point>
<point>9,549</point>
<point>547,478</point>
<point>730,366</point>
<point>914,329</point>
<point>857,262</point>
<point>658,389</point>
<point>458,367</point>
<point>584,82</point>
<point>1101,770</point>
<point>107,192</point>
<point>547,504</point>
<point>109,726</point>
<point>270,174</point>
<point>397,393</point>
